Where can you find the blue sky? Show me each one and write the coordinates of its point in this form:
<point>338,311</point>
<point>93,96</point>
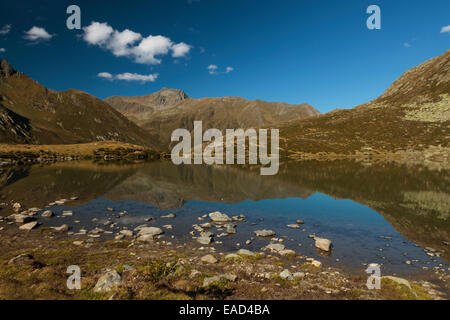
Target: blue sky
<point>320,52</point>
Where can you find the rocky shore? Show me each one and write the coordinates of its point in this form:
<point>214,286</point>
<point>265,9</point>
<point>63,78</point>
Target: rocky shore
<point>146,263</point>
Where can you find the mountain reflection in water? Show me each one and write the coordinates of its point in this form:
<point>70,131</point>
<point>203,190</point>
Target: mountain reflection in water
<point>414,200</point>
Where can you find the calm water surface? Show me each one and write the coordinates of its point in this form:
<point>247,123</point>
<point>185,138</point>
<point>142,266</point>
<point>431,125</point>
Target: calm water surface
<point>352,204</point>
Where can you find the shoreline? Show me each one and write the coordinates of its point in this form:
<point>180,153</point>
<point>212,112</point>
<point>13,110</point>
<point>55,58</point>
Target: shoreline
<point>13,155</point>
<point>159,267</point>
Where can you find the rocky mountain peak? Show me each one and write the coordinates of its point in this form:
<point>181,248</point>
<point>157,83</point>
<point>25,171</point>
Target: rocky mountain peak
<point>6,70</point>
<point>168,96</point>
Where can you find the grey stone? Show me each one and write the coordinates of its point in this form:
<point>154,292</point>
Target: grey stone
<point>29,226</point>
<point>48,214</point>
<point>152,231</point>
<point>214,280</point>
<point>169,216</point>
<point>108,281</point>
<point>209,258</point>
<point>275,247</point>
<point>126,233</point>
<point>299,275</point>
<point>286,275</point>
<point>246,252</point>
<point>219,217</point>
<point>264,233</point>
<point>63,228</point>
<point>322,244</point>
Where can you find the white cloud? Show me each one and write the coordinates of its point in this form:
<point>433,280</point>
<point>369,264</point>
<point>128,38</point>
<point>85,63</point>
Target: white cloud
<point>180,50</point>
<point>105,75</point>
<point>137,77</point>
<point>151,47</point>
<point>37,34</point>
<point>212,69</point>
<point>2,50</point>
<point>127,76</point>
<point>5,29</point>
<point>407,45</point>
<point>97,33</point>
<point>445,29</point>
<point>120,42</point>
<point>132,44</point>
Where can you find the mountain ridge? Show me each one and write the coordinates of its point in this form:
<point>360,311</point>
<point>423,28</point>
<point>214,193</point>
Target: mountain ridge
<point>221,113</point>
<point>411,119</point>
<point>33,114</point>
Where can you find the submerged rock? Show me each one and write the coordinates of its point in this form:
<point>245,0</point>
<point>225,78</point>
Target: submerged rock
<point>207,234</point>
<point>293,226</point>
<point>230,228</point>
<point>169,216</point>
<point>139,228</point>
<point>204,240</point>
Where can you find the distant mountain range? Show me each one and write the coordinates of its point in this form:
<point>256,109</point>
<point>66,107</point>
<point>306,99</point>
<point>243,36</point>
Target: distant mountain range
<point>33,114</point>
<point>411,119</point>
<point>169,109</point>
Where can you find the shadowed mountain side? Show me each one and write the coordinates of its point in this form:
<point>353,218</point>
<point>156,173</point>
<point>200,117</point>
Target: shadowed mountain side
<point>33,114</point>
<point>168,187</point>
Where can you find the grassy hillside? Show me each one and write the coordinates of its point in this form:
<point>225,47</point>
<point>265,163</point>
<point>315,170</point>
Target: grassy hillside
<point>169,109</point>
<point>412,119</point>
<point>33,114</point>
